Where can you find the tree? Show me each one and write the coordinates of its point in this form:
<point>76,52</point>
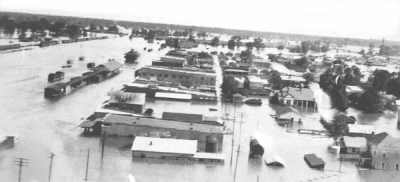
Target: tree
<point>370,101</point>
<point>191,38</point>
<point>246,56</point>
<point>58,27</point>
<point>275,99</point>
<point>393,86</point>
<point>275,80</point>
<point>131,56</point>
<point>229,87</point>
<point>73,31</point>
<point>258,43</point>
<point>380,80</point>
<point>215,42</point>
<point>309,77</point>
<point>337,127</point>
<point>231,44</point>
<point>305,46</point>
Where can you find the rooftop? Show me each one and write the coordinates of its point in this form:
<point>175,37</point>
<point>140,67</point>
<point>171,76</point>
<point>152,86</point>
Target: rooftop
<point>112,65</point>
<point>169,95</point>
<point>300,93</point>
<point>357,128</point>
<point>181,70</point>
<point>128,98</point>
<point>164,145</point>
<point>161,123</point>
<point>292,78</point>
<point>355,142</point>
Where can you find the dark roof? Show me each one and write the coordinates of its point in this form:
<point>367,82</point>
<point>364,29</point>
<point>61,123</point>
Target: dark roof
<point>378,138</point>
<point>182,117</point>
<point>88,124</point>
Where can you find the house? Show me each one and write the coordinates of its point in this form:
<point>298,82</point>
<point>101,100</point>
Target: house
<point>352,147</point>
<point>150,147</point>
<point>126,101</point>
<point>299,97</point>
<point>209,136</point>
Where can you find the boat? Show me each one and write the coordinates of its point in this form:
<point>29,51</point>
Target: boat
<point>274,161</point>
<point>256,102</point>
<point>313,161</point>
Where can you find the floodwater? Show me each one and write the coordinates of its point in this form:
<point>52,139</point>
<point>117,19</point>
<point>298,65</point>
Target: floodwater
<point>42,127</point>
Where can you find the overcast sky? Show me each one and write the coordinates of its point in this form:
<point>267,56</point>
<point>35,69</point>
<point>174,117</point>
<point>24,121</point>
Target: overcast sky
<point>346,18</point>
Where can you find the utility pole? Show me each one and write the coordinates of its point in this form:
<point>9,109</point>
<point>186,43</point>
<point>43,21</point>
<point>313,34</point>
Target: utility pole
<point>51,165</point>
<point>87,165</point>
<point>21,162</point>
<point>103,140</point>
<point>238,149</point>
<point>233,132</point>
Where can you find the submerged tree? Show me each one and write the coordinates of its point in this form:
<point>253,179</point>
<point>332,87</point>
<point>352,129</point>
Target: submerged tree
<point>131,56</point>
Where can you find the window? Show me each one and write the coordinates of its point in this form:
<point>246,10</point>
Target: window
<point>397,166</point>
<point>383,165</point>
<point>384,155</point>
<point>166,75</point>
<point>173,76</point>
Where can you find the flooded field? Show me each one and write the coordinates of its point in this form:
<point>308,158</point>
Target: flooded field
<point>42,127</point>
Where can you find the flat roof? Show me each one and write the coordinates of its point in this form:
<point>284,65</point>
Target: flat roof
<point>164,145</point>
<point>169,95</point>
<point>162,123</point>
<point>181,70</point>
<point>128,98</point>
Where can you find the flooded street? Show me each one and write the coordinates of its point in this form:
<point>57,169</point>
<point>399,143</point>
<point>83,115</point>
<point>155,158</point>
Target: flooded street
<point>43,127</point>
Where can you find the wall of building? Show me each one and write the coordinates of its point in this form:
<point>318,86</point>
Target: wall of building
<point>132,130</point>
<point>177,76</point>
<point>386,160</point>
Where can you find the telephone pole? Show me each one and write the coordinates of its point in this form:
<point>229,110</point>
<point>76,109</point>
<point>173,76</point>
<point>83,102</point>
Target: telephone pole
<point>51,165</point>
<point>21,162</point>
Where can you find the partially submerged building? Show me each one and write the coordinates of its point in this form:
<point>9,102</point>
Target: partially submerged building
<point>209,134</point>
<point>184,76</point>
<point>299,97</point>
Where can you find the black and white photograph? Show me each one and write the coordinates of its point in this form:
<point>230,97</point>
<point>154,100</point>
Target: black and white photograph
<point>200,91</point>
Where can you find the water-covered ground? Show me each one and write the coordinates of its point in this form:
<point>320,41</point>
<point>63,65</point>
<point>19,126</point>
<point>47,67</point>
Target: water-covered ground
<point>42,127</point>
